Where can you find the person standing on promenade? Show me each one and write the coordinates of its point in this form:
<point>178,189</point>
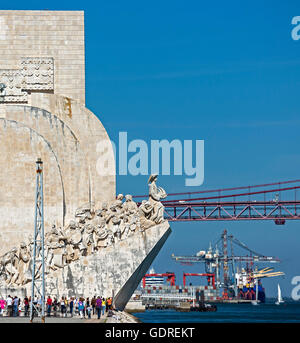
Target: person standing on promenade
<point>9,305</point>
<point>71,306</point>
<point>103,306</point>
<point>81,307</point>
<point>26,307</point>
<point>19,307</point>
<point>108,304</point>
<point>62,306</point>
<point>16,306</point>
<point>39,303</point>
<point>84,307</point>
<point>87,305</point>
<point>89,310</point>
<point>55,304</point>
<point>76,311</point>
<point>49,305</point>
<point>35,306</point>
<point>66,306</point>
<point>2,306</point>
<point>98,306</point>
<point>93,303</point>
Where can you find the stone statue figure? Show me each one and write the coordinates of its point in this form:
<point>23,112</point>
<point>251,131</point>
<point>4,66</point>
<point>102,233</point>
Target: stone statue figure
<point>145,212</point>
<point>119,208</point>
<point>120,197</point>
<point>135,222</point>
<point>155,195</point>
<point>116,221</point>
<point>88,239</point>
<point>102,213</point>
<point>129,205</point>
<point>9,266</point>
<point>101,233</point>
<point>23,267</point>
<point>110,238</point>
<point>113,218</point>
<point>124,226</point>
<point>55,249</point>
<point>85,211</point>
<point>130,225</point>
<point>81,245</point>
<point>73,235</point>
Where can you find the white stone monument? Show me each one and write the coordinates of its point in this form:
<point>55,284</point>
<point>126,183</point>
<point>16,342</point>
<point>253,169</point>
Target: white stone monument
<point>96,245</point>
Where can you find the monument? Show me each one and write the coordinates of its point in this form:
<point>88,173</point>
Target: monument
<point>96,243</point>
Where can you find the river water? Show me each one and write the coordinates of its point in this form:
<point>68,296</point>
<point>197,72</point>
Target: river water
<point>289,312</point>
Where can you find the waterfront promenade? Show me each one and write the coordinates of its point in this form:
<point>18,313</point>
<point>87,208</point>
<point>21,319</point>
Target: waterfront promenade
<point>56,320</point>
<point>118,317</point>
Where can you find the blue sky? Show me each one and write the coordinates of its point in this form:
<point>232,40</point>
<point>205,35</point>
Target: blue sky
<point>226,72</point>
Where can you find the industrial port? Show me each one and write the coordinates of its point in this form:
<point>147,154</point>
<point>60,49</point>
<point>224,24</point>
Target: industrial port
<point>227,277</point>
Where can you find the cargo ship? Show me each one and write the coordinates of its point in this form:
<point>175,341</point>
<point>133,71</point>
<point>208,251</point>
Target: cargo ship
<point>247,288</point>
<point>237,276</point>
<point>229,278</point>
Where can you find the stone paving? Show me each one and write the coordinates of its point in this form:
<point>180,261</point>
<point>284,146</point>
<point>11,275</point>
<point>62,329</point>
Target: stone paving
<point>56,320</point>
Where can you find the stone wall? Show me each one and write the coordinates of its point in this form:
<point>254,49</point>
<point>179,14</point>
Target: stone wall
<point>69,151</point>
<point>55,34</point>
<point>42,114</point>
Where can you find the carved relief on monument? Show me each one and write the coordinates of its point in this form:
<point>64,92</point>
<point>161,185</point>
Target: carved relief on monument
<point>90,231</point>
<point>36,74</point>
<point>11,86</point>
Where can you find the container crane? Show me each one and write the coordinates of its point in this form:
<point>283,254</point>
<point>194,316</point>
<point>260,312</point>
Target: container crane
<point>215,262</point>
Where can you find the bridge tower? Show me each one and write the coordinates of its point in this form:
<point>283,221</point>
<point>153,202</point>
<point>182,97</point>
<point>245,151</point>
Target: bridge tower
<point>225,262</point>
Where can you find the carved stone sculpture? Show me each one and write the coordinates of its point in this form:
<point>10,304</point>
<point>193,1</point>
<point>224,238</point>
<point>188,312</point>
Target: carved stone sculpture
<point>155,195</point>
<point>145,212</point>
<point>9,266</point>
<point>101,233</point>
<point>129,205</point>
<point>88,239</point>
<point>23,267</point>
<point>55,249</point>
<point>86,234</point>
<point>103,211</point>
<point>73,236</point>
<point>36,73</point>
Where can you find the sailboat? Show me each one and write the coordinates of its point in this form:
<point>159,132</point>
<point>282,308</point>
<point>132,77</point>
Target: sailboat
<point>279,297</point>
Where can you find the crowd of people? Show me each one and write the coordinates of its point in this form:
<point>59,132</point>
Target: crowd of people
<point>74,306</point>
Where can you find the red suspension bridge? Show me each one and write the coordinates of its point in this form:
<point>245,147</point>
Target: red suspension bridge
<point>273,201</point>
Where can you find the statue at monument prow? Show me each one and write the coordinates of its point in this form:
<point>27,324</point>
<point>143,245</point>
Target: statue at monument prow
<point>89,232</point>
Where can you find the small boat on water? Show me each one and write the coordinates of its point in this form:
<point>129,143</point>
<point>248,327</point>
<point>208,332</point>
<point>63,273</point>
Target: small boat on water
<point>279,297</point>
<point>200,305</point>
<point>255,302</point>
<point>204,308</point>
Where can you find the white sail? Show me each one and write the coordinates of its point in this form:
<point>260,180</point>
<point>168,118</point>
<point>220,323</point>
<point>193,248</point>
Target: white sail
<point>279,297</point>
<point>279,294</point>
